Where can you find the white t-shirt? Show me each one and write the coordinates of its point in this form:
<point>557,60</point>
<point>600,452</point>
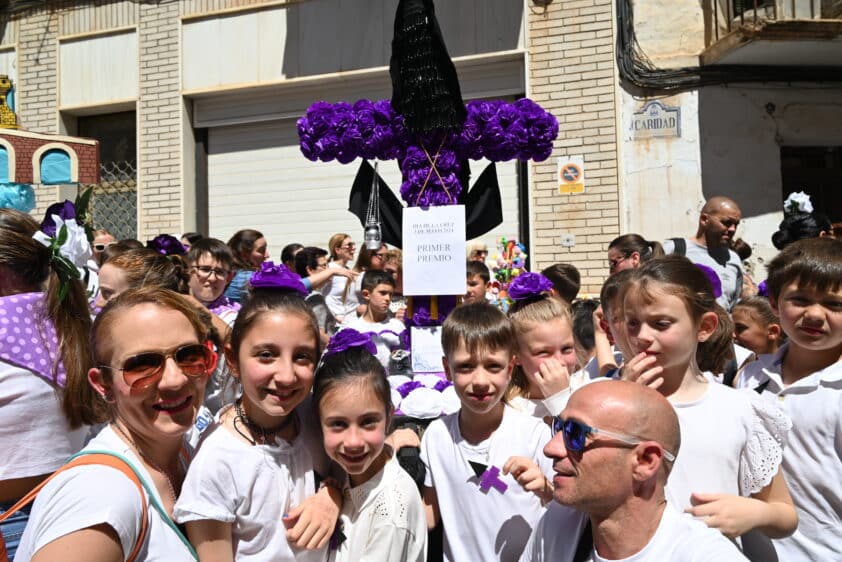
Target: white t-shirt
<point>731,443</point>
<point>340,302</point>
<point>34,436</point>
<point>680,538</point>
<point>91,495</point>
<point>812,460</point>
<point>484,525</point>
<point>383,520</point>
<point>556,535</point>
<point>252,487</point>
<point>387,335</point>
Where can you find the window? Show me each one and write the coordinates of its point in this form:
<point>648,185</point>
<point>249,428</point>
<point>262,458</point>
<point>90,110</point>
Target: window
<point>817,171</point>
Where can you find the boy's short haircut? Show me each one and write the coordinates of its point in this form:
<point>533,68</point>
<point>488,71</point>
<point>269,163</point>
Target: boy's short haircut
<point>478,268</point>
<point>813,262</point>
<point>374,277</point>
<point>479,327</point>
<point>217,249</point>
<point>565,278</point>
<point>583,329</point>
<point>308,257</point>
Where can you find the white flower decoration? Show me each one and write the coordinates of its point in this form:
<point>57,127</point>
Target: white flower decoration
<point>798,202</point>
<point>76,248</point>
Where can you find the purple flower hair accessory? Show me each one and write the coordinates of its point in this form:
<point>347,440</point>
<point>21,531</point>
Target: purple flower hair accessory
<point>167,245</point>
<point>347,338</point>
<point>65,211</point>
<point>529,285</point>
<point>715,282</point>
<point>408,387</point>
<point>273,276</point>
<point>763,289</point>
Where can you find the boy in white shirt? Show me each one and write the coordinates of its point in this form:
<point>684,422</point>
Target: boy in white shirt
<point>805,378</point>
<point>377,289</point>
<point>485,479</point>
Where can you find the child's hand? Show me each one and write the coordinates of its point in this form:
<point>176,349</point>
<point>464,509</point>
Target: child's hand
<point>310,524</point>
<point>552,377</point>
<point>401,438</point>
<point>530,477</point>
<point>641,368</point>
<point>731,515</point>
<point>401,313</point>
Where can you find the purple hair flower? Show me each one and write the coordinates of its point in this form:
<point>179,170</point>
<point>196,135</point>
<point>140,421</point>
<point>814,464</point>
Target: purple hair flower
<point>715,282</point>
<point>408,387</point>
<point>65,211</point>
<point>528,285</point>
<point>763,289</point>
<point>167,245</point>
<point>273,276</point>
<point>347,338</point>
<point>442,385</point>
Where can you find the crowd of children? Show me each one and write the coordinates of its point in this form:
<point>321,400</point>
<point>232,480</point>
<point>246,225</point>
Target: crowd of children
<point>271,433</point>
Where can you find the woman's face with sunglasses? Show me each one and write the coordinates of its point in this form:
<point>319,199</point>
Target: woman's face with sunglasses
<point>156,371</point>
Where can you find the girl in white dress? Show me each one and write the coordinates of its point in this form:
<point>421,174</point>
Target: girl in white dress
<point>252,492</point>
<point>728,473</point>
<point>382,514</point>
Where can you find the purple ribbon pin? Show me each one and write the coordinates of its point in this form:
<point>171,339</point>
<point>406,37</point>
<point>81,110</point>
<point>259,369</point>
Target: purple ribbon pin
<point>491,479</point>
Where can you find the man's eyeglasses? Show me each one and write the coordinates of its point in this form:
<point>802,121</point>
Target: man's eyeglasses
<point>612,264</point>
<point>575,435</point>
<point>143,370</point>
<point>205,271</point>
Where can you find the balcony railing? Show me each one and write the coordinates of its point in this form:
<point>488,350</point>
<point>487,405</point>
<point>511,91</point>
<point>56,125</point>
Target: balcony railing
<point>726,16</point>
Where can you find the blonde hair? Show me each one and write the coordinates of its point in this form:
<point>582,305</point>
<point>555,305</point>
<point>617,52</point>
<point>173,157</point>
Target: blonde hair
<point>525,315</point>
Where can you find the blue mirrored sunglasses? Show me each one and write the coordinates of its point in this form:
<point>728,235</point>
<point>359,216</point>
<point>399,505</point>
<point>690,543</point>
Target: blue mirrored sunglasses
<point>575,435</point>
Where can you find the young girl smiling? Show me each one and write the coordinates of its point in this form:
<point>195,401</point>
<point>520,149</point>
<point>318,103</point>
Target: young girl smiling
<point>257,470</point>
<point>382,515</point>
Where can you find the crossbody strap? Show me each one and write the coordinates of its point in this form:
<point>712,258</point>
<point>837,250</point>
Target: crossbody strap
<point>102,458</point>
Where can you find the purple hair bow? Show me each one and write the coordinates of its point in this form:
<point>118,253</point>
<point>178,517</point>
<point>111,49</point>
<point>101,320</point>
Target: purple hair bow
<point>527,285</point>
<point>273,276</point>
<point>347,338</point>
<point>167,245</point>
<point>715,282</point>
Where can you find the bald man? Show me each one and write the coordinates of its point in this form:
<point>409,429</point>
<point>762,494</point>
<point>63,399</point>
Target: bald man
<point>711,246</point>
<point>612,450</point>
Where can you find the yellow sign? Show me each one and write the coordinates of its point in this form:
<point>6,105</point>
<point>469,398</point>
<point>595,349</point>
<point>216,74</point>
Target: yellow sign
<point>571,175</point>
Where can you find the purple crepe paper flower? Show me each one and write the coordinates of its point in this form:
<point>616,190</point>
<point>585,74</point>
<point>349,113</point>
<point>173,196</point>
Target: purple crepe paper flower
<point>422,318</point>
<point>347,338</point>
<point>273,276</point>
<point>408,387</point>
<point>763,289</point>
<point>529,285</point>
<point>65,211</point>
<point>442,385</point>
<point>167,245</point>
<point>715,282</point>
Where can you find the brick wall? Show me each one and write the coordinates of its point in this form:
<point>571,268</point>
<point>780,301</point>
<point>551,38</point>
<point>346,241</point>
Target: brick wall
<point>159,118</point>
<point>37,85</point>
<point>572,74</point>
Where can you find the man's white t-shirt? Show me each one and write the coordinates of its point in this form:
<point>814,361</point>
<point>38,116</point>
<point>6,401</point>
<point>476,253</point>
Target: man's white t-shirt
<point>484,525</point>
<point>680,538</point>
<point>90,495</point>
<point>556,536</point>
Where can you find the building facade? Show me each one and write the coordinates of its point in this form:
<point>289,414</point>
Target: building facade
<point>199,99</point>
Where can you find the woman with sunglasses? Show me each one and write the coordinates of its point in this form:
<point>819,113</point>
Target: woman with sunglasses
<point>630,250</point>
<point>339,299</point>
<point>44,354</point>
<point>151,363</point>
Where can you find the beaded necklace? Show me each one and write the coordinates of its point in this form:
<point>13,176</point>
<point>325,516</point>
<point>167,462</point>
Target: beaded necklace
<point>257,431</point>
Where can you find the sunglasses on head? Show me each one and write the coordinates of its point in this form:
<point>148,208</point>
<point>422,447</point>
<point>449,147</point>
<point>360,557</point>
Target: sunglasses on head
<point>143,370</point>
<point>575,435</point>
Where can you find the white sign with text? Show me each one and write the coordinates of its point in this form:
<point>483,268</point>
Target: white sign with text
<point>434,250</point>
<point>426,349</point>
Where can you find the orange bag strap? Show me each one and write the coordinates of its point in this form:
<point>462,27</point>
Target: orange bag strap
<point>102,459</point>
